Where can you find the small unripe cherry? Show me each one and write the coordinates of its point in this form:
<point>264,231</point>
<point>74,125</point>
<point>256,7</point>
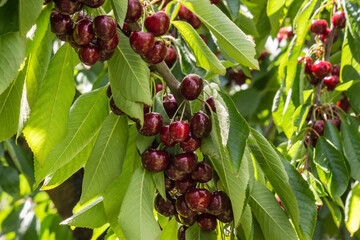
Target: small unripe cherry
<point>338,19</point>
<point>318,26</point>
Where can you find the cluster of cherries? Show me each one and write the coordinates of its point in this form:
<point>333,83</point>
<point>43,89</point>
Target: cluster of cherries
<point>285,33</point>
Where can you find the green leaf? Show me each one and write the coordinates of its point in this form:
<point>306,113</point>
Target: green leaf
<point>236,44</point>
<point>335,211</point>
<point>196,233</point>
<point>272,219</point>
<point>92,216</point>
<point>170,231</point>
<point>205,58</point>
<point>246,226</point>
<point>132,109</point>
<point>331,167</point>
<point>252,96</point>
<point>86,118</point>
<point>351,9</point>
<point>159,107</point>
<point>352,209</point>
<point>129,74</point>
<point>28,13</point>
<point>351,139</point>
<point>331,133</point>
<point>246,24</point>
<point>120,8</point>
<point>9,181</point>
<point>48,121</point>
<point>9,17</point>
<point>159,183</point>
<point>136,216</point>
<point>274,11</point>
<point>106,159</point>
<point>12,53</point>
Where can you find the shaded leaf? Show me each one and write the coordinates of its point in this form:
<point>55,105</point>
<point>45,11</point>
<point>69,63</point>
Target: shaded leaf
<point>352,209</point>
<point>28,13</point>
<point>196,233</point>
<point>120,8</point>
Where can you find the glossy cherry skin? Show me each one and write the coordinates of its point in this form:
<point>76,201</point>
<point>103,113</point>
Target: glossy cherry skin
<point>191,86</point>
<point>197,199</point>
<point>194,21</point>
<point>207,222</point>
<point>165,207</point>
<point>60,23</point>
<point>158,87</point>
<point>321,68</point>
<point>104,27</point>
<point>134,11</point>
<point>308,65</point>
<point>158,23</point>
<point>170,105</point>
<point>114,108</point>
<point>335,70</point>
<point>200,125</point>
<point>190,144</point>
<point>94,3</point>
<point>185,162</point>
<point>157,54</point>
<point>319,126</point>
<point>326,35</point>
<point>210,102</point>
<point>183,209</point>
<point>166,138</point>
<point>68,7</point>
<point>227,216</point>
<point>125,29</point>
<point>184,13</point>
<point>155,161</point>
<point>109,45</point>
<point>89,54</point>
<point>142,42</point>
<point>179,131</point>
<point>171,57</point>
<point>336,122</point>
<point>338,19</point>
<point>174,174</point>
<point>153,122</point>
<point>83,32</point>
<point>184,185</point>
<point>202,173</point>
<point>215,2</point>
<point>218,203</point>
<point>331,82</point>
<point>318,26</point>
<point>181,233</point>
<point>105,55</point>
<point>169,184</point>
<point>188,222</point>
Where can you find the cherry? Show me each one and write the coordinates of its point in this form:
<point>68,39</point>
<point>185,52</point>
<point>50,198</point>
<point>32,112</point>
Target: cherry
<point>169,184</point>
<point>46,2</point>
<point>336,122</point>
<point>157,54</point>
<point>155,161</point>
<point>344,104</point>
<point>326,35</point>
<point>153,122</point>
<point>183,209</point>
<point>335,70</point>
<point>215,2</point>
<point>191,86</point>
<point>171,57</point>
<point>200,125</point>
<point>313,80</point>
<point>108,91</point>
<point>338,19</point>
<point>185,162</point>
<point>219,201</point>
<point>71,41</point>
<point>94,3</point>
<point>125,29</point>
<point>179,131</point>
<point>68,7</point>
<point>181,233</point>
<point>174,174</point>
<point>203,172</point>
<point>158,23</point>
<point>331,82</point>
<point>279,37</point>
<point>166,138</point>
<point>308,65</point>
<point>190,144</point>
<point>207,222</point>
<point>194,21</point>
<point>184,185</point>
<point>60,24</point>
<point>89,54</point>
<point>263,55</point>
<point>321,68</point>
<point>188,222</point>
<point>134,11</point>
<point>142,42</point>
<point>158,87</point>
<point>197,199</point>
<point>170,105</point>
<point>319,126</point>
<point>318,26</point>
<point>210,101</point>
<point>83,32</point>
<point>165,207</point>
<point>105,55</point>
<point>184,13</point>
<point>227,216</point>
<point>109,45</point>
<point>104,27</point>
<point>62,37</point>
<point>238,77</point>
<point>114,108</point>
<point>318,207</point>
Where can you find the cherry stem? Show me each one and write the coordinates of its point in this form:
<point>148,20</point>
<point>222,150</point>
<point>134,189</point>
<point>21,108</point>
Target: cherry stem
<point>182,113</point>
<point>177,110</point>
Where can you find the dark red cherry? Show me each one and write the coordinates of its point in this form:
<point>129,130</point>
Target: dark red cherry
<point>344,104</point>
<point>279,37</point>
<point>165,207</point>
<point>46,2</point>
<point>183,209</point>
<point>184,185</point>
<point>171,57</point>
<point>227,216</point>
<point>190,144</point>
<point>308,65</point>
<point>194,21</point>
<point>94,3</point>
<point>185,162</point>
<point>219,201</point>
<point>155,161</point>
<point>184,13</point>
<point>174,174</point>
<point>114,108</point>
<point>89,54</point>
<point>126,29</point>
<point>181,233</point>
<point>207,222</point>
<point>191,86</point>
<point>158,23</point>
<point>142,42</point>
<point>338,19</point>
<point>179,130</point>
<point>109,45</point>
<point>105,55</point>
<point>68,7</point>
<point>325,35</point>
<point>335,70</point>
<point>71,41</point>
<point>200,125</point>
<point>166,138</point>
<point>321,68</point>
<point>104,27</point>
<point>204,38</point>
<point>319,126</point>
<point>318,26</point>
<point>197,199</point>
<point>210,102</point>
<point>169,184</point>
<point>60,23</point>
<point>83,32</point>
<point>134,11</point>
<point>238,77</point>
<point>336,122</point>
<point>108,92</point>
<point>331,82</point>
<point>153,122</point>
<point>203,172</point>
<point>157,54</point>
<point>62,37</point>
<point>215,2</point>
<point>170,105</point>
<point>188,222</point>
<point>158,87</point>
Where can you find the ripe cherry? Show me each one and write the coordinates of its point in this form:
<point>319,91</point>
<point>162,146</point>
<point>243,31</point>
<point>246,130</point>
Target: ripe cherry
<point>210,101</point>
<point>83,32</point>
<point>227,216</point>
<point>219,201</point>
<point>321,68</point>
<point>331,82</point>
<point>207,222</point>
<point>181,233</point>
<point>165,207</point>
<point>197,199</point>
<point>171,57</point>
<point>104,27</point>
<point>155,161</point>
<point>200,125</point>
<point>319,126</point>
<point>179,130</point>
<point>158,23</point>
<point>191,86</point>
<point>153,122</point>
<point>318,26</point>
<point>203,172</point>
<point>184,13</point>
<point>184,185</point>
<point>238,77</point>
<point>134,11</point>
<point>68,7</point>
<point>157,54</point>
<point>194,21</point>
<point>60,23</point>
<point>170,105</point>
<point>169,184</point>
<point>142,42</point>
<point>188,222</point>
<point>183,209</point>
<point>335,70</point>
<point>185,162</point>
<point>94,3</point>
<point>158,87</point>
<point>344,104</point>
<point>190,144</point>
<point>109,45</point>
<point>89,54</point>
<point>166,138</point>
<point>336,122</point>
<point>215,2</point>
<point>308,65</point>
<point>126,29</point>
<point>105,55</point>
<point>174,174</point>
<point>114,108</point>
<point>338,19</point>
<point>326,35</point>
